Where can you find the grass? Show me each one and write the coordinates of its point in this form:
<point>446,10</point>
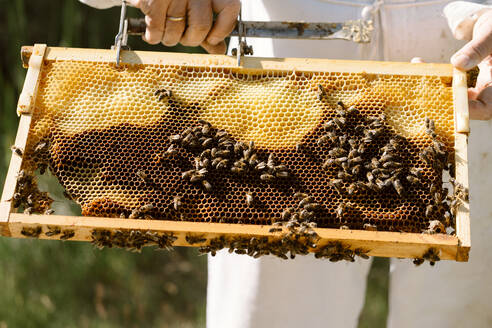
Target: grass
<point>71,284</point>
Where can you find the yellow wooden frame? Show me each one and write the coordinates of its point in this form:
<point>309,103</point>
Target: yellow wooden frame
<point>379,243</point>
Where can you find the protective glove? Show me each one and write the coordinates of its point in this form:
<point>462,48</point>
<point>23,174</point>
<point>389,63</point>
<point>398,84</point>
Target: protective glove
<point>475,26</point>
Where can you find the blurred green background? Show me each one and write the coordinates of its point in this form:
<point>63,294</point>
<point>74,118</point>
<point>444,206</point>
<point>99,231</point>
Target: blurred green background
<point>70,284</point>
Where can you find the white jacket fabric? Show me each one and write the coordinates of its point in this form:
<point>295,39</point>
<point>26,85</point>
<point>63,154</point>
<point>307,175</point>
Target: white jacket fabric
<point>268,292</point>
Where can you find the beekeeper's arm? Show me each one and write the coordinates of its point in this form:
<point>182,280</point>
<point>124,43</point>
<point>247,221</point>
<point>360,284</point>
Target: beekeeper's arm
<point>197,27</point>
<point>471,21</point>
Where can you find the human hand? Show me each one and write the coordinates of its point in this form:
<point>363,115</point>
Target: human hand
<point>479,52</point>
<point>197,27</point>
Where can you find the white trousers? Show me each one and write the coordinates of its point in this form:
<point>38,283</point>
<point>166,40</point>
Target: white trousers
<point>268,292</point>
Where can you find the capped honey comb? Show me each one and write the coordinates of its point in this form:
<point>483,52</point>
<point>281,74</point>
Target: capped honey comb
<point>109,140</point>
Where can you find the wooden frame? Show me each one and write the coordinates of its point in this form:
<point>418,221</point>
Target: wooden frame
<point>379,243</point>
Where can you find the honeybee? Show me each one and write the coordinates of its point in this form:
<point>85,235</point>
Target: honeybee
<point>398,187</point>
<point>430,127</point>
<point>429,210</point>
<point>273,230</point>
<point>141,174</point>
<point>329,125</point>
<point>207,185</point>
<point>249,199</point>
<point>306,215</point>
<point>312,206</point>
<point>67,234</point>
<point>328,163</point>
<point>435,226</point>
<point>221,134</point>
<point>28,210</point>
<point>41,147</point>
<point>216,161</point>
<point>33,232</point>
<point>337,152</point>
<point>52,231</point>
<point>356,170</point>
<point>267,177</point>
<point>135,214</point>
<point>412,179</point>
<point>321,92</point>
<point>341,160</point>
<point>370,227</point>
<point>171,151</point>
<point>177,203</point>
<point>146,208</point>
<point>176,138</point>
<point>305,201</point>
<point>352,188</point>
<point>339,122</point>
<point>163,93</point>
<point>361,253</point>
<point>17,151</point>
<point>222,153</point>
<point>337,184</point>
<point>340,210</point>
<point>432,255</point>
<point>341,112</point>
<point>187,174</point>
<point>206,128</point>
<point>286,214</point>
<point>253,160</point>
<point>282,174</point>
<point>195,239</point>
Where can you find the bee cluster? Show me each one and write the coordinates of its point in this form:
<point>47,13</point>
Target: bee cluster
<point>442,209</point>
<point>216,150</point>
<point>35,232</point>
<point>431,255</point>
<point>336,251</point>
<point>299,239</point>
<point>28,196</point>
<point>352,141</point>
<point>285,246</point>
<point>132,240</point>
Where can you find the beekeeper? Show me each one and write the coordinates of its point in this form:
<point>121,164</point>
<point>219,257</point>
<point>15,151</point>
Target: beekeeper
<point>269,292</point>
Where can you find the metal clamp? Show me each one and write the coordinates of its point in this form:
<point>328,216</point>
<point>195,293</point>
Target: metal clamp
<point>243,47</point>
<point>121,39</point>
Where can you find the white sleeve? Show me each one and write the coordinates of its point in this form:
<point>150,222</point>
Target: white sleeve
<point>101,4</point>
<point>462,15</point>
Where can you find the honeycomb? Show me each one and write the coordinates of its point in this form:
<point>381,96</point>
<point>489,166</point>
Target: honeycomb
<point>211,144</point>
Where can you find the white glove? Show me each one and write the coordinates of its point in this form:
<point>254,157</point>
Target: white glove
<point>470,21</point>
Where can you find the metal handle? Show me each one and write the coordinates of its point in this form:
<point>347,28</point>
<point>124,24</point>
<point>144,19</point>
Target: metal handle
<point>353,30</point>
<point>136,26</point>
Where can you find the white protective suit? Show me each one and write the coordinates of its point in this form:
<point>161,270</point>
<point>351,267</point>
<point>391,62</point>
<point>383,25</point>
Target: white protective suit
<point>269,292</point>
